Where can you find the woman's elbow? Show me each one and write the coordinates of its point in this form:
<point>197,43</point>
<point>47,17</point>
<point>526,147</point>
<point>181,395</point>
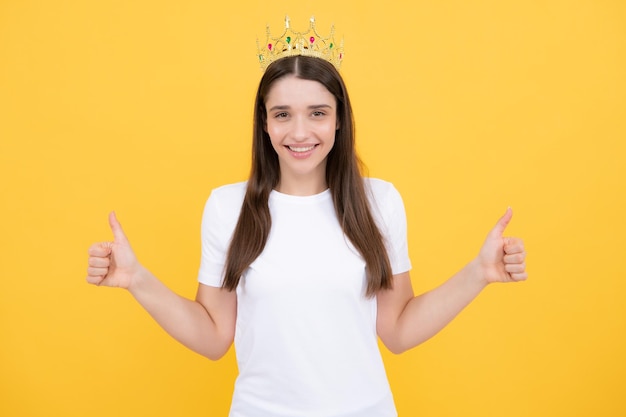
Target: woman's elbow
<point>394,345</point>
<point>215,353</point>
<point>398,345</point>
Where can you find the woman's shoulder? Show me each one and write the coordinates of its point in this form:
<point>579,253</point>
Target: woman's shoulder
<point>379,188</point>
<point>229,194</point>
<point>383,195</point>
<point>234,189</point>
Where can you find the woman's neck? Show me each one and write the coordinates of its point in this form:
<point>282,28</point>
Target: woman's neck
<point>301,186</point>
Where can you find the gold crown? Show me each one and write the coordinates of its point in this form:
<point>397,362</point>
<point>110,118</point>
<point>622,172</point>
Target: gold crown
<point>309,43</point>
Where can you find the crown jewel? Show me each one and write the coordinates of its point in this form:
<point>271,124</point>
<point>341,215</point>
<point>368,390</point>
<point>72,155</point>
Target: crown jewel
<point>309,43</point>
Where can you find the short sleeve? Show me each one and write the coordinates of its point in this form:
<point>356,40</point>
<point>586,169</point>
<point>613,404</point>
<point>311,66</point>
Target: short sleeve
<point>388,209</point>
<point>219,218</point>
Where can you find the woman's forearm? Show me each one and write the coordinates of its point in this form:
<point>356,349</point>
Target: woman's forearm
<point>427,314</point>
<point>186,320</point>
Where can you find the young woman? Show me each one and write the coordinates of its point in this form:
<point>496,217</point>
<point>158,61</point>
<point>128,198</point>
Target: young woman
<point>306,264</point>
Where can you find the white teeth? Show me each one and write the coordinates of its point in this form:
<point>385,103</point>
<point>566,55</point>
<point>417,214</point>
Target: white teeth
<point>294,149</point>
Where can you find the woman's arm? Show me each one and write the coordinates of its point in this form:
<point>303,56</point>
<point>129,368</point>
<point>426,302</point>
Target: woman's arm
<point>404,321</point>
<point>205,325</point>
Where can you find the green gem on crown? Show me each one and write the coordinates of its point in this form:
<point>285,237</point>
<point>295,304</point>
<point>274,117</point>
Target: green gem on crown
<point>288,39</point>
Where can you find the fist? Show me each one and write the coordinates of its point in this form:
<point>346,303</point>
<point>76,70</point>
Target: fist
<point>502,259</point>
<point>112,264</point>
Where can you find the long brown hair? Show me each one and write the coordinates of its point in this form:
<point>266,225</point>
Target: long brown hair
<point>343,176</point>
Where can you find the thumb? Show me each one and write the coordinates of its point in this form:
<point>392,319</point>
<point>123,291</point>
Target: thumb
<point>498,229</point>
<point>116,228</point>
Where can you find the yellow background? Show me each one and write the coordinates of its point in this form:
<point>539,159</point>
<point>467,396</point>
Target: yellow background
<point>468,107</point>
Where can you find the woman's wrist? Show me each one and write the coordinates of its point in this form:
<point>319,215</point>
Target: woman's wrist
<point>476,273</point>
<point>139,280</point>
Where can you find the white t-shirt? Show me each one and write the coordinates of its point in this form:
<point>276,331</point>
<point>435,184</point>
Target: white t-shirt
<point>305,335</point>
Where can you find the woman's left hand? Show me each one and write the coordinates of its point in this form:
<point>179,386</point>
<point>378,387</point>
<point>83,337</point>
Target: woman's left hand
<point>502,259</point>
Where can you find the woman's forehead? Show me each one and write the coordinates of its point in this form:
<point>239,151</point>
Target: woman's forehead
<point>291,90</point>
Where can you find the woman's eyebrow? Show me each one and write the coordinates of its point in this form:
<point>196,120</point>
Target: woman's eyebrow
<point>320,106</point>
<point>280,107</point>
<point>287,107</point>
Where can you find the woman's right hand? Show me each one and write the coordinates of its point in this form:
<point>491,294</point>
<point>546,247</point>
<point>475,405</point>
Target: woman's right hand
<point>113,264</point>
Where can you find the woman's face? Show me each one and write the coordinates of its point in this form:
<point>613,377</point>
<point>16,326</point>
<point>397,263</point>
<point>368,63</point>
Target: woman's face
<point>301,123</point>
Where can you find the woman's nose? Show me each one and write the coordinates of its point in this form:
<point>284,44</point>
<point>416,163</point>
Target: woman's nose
<point>300,129</point>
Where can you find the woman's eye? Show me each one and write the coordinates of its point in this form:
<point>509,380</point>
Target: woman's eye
<point>318,113</point>
<point>281,115</point>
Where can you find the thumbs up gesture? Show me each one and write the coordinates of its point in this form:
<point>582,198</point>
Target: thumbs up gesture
<point>112,264</point>
<point>502,259</point>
